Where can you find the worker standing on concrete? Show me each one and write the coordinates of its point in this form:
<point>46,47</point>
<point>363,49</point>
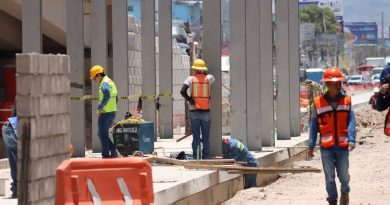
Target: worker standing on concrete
<point>234,149</point>
<point>108,97</point>
<point>10,138</point>
<point>199,100</point>
<point>334,119</point>
<point>373,97</point>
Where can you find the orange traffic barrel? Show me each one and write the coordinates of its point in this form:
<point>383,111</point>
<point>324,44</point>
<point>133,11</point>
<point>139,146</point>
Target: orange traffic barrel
<point>104,181</point>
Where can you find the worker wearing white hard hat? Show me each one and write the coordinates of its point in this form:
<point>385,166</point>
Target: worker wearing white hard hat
<point>373,98</point>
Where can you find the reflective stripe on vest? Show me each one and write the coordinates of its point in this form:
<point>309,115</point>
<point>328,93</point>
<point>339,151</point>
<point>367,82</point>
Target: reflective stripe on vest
<point>111,104</point>
<point>327,117</point>
<point>200,91</point>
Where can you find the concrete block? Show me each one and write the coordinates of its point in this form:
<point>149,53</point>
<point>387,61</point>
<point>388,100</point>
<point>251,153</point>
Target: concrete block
<point>53,64</point>
<point>132,41</point>
<point>38,170</point>
<point>27,63</point>
<point>27,105</point>
<point>44,84</point>
<point>24,84</point>
<point>43,64</point>
<point>60,59</point>
<point>66,64</point>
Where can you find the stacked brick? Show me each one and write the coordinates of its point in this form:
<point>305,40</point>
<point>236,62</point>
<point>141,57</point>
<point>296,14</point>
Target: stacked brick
<point>180,66</point>
<point>43,89</point>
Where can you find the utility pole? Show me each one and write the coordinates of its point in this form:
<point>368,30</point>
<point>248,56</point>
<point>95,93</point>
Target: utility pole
<point>383,34</point>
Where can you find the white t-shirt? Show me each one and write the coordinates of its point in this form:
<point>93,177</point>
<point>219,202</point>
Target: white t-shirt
<point>188,82</point>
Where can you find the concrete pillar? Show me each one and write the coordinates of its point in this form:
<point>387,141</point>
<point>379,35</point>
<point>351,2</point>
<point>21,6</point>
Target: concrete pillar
<point>293,31</point>
<point>120,61</point>
<point>238,70</point>
<point>266,70</point>
<point>75,50</point>
<point>43,124</point>
<point>165,62</point>
<point>32,26</point>
<point>148,61</point>
<point>98,57</point>
<point>253,74</point>
<point>212,57</point>
<point>282,70</point>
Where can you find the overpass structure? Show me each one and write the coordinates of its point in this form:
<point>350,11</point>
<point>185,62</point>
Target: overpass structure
<point>261,50</point>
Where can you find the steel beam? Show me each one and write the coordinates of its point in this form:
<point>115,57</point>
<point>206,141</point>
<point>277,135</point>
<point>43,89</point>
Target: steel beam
<point>266,70</point>
<point>212,57</point>
<point>253,74</point>
<point>293,31</point>
<point>75,50</point>
<point>32,26</point>
<point>238,70</point>
<point>148,60</point>
<point>165,68</point>
<point>120,63</point>
<point>282,70</point>
<point>98,56</point>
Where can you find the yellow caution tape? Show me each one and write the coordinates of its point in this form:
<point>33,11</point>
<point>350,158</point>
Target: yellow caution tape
<point>130,97</point>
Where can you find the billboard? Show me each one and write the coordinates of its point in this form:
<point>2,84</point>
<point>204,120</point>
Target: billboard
<point>334,5</point>
<point>360,33</point>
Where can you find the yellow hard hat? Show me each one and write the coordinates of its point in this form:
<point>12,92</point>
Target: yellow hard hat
<point>96,69</point>
<point>199,64</point>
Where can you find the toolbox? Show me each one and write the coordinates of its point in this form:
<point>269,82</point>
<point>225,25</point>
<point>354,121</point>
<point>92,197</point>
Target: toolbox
<point>134,137</point>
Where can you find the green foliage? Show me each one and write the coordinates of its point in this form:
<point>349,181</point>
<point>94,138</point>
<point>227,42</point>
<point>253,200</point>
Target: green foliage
<point>319,16</point>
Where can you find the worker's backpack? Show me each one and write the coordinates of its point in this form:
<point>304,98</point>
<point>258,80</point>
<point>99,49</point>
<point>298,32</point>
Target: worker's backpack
<point>385,75</point>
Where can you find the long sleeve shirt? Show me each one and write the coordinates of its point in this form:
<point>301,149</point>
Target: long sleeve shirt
<point>106,95</point>
<point>314,131</point>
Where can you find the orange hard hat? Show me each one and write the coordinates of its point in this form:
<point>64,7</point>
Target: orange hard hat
<point>332,74</point>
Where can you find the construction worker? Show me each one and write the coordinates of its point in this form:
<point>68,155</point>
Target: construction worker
<point>106,110</point>
<point>334,119</point>
<point>199,100</point>
<point>234,149</point>
<point>10,138</point>
<point>373,97</point>
<point>383,102</point>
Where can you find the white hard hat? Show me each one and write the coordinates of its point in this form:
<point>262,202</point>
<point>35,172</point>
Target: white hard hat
<point>375,90</point>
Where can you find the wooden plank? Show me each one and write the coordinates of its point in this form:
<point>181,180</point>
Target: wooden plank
<point>240,169</point>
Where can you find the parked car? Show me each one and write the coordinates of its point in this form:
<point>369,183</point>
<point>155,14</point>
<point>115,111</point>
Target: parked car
<point>356,80</point>
<point>375,79</point>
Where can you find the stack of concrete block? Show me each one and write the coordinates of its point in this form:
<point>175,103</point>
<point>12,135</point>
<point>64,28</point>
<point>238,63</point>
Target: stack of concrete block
<point>43,90</point>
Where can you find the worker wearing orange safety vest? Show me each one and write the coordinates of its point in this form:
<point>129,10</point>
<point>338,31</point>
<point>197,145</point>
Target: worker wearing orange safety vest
<point>199,100</point>
<point>334,119</point>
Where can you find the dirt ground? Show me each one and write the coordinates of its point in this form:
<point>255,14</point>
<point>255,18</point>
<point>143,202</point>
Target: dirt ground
<point>369,170</point>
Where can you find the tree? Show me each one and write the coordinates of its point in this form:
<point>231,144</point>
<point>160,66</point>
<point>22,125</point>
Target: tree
<point>323,18</point>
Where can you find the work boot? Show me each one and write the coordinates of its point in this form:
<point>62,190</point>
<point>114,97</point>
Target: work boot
<point>332,202</point>
<point>344,198</point>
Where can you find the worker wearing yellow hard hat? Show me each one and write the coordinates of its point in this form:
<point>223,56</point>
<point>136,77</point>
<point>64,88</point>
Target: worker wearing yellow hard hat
<point>108,97</point>
<point>199,100</point>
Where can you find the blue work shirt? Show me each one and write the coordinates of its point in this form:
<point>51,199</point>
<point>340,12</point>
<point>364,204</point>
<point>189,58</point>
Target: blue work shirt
<point>314,129</point>
<point>106,95</point>
<point>234,149</point>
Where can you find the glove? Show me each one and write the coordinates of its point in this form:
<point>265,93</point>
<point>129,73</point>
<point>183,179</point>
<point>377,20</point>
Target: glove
<point>192,101</point>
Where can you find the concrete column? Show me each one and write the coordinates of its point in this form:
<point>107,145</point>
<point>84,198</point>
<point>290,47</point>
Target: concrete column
<point>165,62</point>
<point>75,50</point>
<point>238,70</point>
<point>282,70</point>
<point>212,57</point>
<point>253,74</point>
<point>293,31</point>
<point>98,57</point>
<point>148,60</point>
<point>120,62</point>
<point>32,26</point>
<point>266,70</point>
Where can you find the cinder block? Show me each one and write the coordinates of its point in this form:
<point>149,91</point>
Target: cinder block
<point>53,64</point>
<point>66,64</point>
<point>61,59</point>
<point>24,84</point>
<point>131,40</point>
<point>27,63</point>
<point>43,64</point>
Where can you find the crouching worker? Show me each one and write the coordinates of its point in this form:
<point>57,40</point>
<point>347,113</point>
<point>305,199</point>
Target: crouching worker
<point>234,149</point>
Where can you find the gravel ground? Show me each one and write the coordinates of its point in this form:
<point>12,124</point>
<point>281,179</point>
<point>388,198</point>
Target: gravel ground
<point>369,170</point>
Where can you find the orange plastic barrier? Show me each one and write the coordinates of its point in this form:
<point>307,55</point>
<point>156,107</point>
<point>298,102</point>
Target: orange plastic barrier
<point>104,181</point>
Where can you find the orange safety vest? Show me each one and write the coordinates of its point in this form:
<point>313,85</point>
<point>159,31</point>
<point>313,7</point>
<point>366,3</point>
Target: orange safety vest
<point>387,124</point>
<point>200,91</point>
<point>333,123</point>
